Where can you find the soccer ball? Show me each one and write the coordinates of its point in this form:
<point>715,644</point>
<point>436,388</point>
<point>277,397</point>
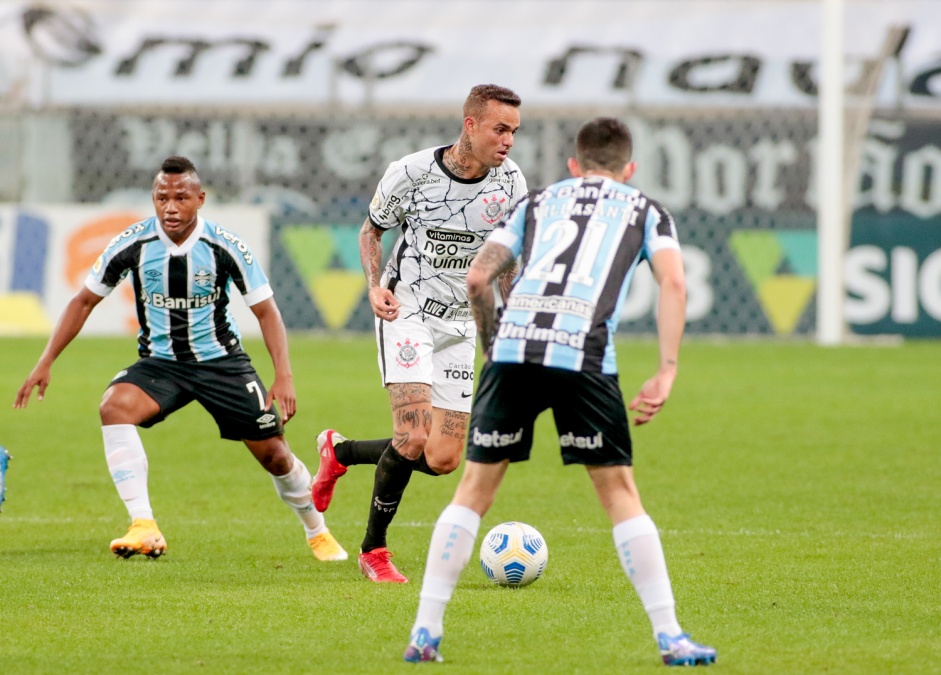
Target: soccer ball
<point>513,554</point>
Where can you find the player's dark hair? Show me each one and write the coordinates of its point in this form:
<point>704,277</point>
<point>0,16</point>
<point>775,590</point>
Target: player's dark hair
<point>603,143</point>
<point>476,101</point>
<point>177,164</point>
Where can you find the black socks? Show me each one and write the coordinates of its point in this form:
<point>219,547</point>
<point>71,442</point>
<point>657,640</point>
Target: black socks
<point>368,452</point>
<point>392,475</point>
<point>360,452</point>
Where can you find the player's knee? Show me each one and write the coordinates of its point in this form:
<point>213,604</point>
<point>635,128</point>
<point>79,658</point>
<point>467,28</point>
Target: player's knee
<point>443,465</point>
<point>273,454</point>
<point>116,407</point>
<point>413,444</point>
<point>443,453</point>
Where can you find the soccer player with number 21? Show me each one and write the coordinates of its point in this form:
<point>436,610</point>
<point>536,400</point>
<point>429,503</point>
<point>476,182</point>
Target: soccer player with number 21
<point>580,241</point>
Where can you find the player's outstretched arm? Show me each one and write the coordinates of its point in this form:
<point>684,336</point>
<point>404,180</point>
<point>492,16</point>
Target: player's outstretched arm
<point>667,268</point>
<point>383,302</point>
<point>69,325</point>
<point>276,340</point>
<point>490,261</point>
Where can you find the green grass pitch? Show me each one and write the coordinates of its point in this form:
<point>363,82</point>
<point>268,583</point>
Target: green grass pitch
<point>796,489</point>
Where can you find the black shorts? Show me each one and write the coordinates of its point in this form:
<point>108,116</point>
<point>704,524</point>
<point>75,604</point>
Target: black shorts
<point>588,409</point>
<point>229,388</point>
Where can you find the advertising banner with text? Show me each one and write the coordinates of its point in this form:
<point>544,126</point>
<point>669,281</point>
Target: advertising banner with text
<point>742,188</point>
<point>557,53</point>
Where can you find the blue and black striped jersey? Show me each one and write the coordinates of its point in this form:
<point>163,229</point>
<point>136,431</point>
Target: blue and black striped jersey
<point>182,292</point>
<point>580,241</point>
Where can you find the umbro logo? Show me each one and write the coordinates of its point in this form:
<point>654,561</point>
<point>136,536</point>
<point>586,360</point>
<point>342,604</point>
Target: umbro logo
<point>121,475</point>
<point>267,421</point>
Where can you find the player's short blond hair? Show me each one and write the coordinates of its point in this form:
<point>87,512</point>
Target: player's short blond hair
<point>476,101</point>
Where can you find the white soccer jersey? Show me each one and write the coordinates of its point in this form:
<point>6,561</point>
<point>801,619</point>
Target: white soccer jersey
<point>445,220</point>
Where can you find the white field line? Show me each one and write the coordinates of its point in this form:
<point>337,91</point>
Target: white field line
<point>288,522</point>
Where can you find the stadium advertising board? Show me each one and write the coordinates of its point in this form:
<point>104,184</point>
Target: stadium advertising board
<point>47,251</point>
<point>893,270</point>
<point>591,52</point>
<point>742,188</point>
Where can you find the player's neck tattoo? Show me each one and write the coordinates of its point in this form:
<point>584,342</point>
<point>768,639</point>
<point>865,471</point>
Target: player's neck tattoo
<point>458,159</point>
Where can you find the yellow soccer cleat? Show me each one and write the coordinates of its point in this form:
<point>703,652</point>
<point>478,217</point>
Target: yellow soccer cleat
<point>143,538</point>
<point>326,548</point>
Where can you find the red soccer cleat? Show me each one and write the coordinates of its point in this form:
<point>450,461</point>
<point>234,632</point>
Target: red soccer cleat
<point>330,469</point>
<point>377,566</point>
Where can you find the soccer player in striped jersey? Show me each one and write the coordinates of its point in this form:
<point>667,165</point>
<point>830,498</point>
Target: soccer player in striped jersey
<point>552,346</point>
<point>183,268</point>
<point>443,202</point>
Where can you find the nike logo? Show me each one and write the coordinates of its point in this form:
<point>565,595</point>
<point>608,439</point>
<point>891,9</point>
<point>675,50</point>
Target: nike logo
<point>463,395</point>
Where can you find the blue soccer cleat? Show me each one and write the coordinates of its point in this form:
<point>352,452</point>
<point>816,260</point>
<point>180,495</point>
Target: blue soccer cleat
<point>4,462</point>
<point>422,647</point>
<point>679,650</point>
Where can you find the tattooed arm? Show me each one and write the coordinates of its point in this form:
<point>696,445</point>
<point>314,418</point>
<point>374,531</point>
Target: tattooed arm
<point>383,302</point>
<point>491,261</point>
<point>506,281</point>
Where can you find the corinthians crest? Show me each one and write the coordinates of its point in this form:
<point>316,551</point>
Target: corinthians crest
<point>408,355</point>
<point>493,209</point>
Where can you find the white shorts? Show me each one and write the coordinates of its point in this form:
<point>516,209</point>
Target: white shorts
<point>410,350</point>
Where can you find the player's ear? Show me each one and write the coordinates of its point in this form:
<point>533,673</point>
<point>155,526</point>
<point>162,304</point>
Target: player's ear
<point>202,199</point>
<point>574,168</point>
<point>628,172</point>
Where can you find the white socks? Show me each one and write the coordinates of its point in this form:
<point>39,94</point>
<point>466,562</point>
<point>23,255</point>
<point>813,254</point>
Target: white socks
<point>127,463</point>
<point>641,555</point>
<point>452,544</point>
<point>294,490</point>
<point>639,552</point>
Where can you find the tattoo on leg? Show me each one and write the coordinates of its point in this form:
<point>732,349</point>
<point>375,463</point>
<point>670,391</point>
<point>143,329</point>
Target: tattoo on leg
<point>454,424</point>
<point>407,394</point>
<point>411,410</point>
<point>399,440</point>
<point>409,417</point>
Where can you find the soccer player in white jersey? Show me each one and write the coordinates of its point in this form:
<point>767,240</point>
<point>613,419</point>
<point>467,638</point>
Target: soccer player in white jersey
<point>552,347</point>
<point>183,268</point>
<point>443,202</point>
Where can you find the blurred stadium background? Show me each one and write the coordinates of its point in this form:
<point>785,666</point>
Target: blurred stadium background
<point>292,111</point>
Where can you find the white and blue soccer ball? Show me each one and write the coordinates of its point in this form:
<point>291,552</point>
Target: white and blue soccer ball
<point>513,554</point>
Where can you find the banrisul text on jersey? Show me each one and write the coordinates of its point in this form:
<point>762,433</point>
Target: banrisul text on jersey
<point>182,292</point>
